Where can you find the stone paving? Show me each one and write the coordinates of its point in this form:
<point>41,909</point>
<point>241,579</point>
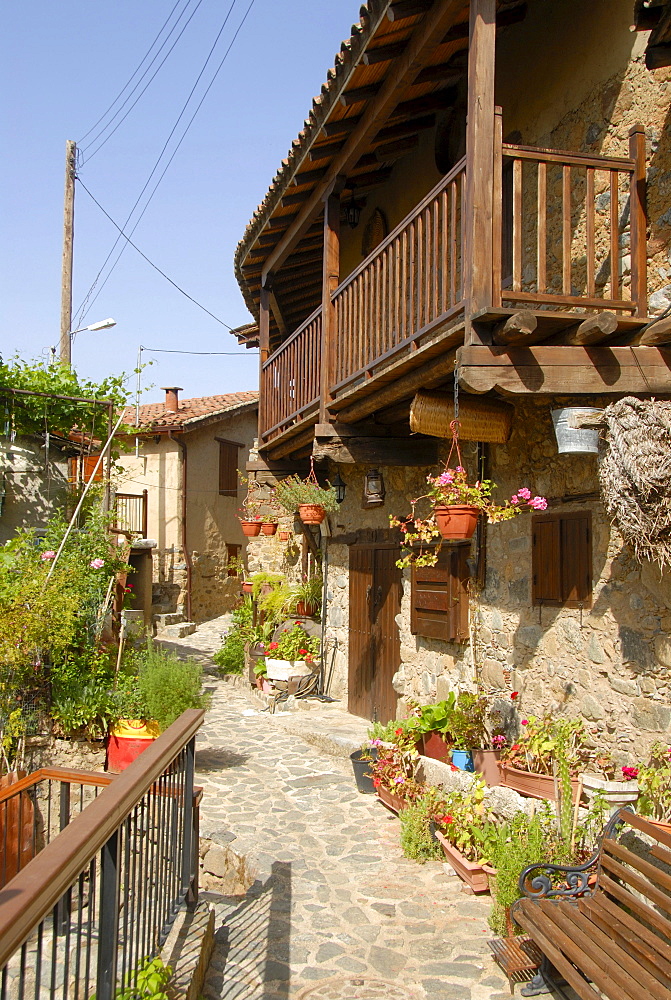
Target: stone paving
<point>335,912</point>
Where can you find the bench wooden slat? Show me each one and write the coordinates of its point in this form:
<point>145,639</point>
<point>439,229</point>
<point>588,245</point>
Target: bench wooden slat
<point>631,935</point>
<point>656,875</point>
<point>528,916</point>
<point>624,968</point>
<point>661,853</point>
<point>612,969</point>
<point>644,910</point>
<point>642,885</point>
<point>645,826</point>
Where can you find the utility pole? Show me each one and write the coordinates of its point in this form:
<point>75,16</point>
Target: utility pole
<point>68,247</point>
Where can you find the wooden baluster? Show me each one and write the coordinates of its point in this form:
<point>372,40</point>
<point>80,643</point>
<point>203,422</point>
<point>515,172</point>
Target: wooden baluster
<point>412,277</point>
<point>453,243</point>
<point>426,250</point>
<point>566,229</point>
<point>637,222</point>
<point>331,269</point>
<point>403,332</point>
<point>397,290</point>
<point>420,273</point>
<point>436,262</point>
<point>518,225</point>
<point>444,251</point>
<point>462,241</point>
<point>542,234</point>
<point>614,236</point>
<point>497,208</point>
<point>591,248</point>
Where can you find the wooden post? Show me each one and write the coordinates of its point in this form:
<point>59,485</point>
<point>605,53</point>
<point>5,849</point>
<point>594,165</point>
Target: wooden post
<point>68,245</point>
<point>638,222</point>
<point>497,208</point>
<point>264,354</point>
<point>331,275</point>
<point>479,257</point>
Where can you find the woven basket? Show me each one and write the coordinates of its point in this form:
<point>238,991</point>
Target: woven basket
<point>481,419</point>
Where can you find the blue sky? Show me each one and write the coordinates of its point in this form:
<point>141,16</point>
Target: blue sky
<point>62,65</point>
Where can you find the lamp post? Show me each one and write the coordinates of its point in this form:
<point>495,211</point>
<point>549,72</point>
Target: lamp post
<point>66,342</point>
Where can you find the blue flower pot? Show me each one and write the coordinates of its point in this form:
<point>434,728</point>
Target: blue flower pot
<point>463,759</point>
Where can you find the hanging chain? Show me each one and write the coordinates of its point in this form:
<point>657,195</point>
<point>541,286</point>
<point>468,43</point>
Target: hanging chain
<point>454,423</point>
<point>456,394</point>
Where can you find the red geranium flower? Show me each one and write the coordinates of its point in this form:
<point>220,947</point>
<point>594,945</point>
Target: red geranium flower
<point>514,695</point>
<point>398,732</point>
<point>446,819</point>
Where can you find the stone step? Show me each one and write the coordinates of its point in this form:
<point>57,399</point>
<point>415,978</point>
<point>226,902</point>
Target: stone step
<point>162,621</point>
<point>179,631</point>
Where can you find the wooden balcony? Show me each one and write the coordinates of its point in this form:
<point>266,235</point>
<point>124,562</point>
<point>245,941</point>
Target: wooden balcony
<point>561,222</point>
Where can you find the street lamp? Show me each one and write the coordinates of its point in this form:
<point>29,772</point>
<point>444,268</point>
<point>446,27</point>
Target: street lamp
<point>66,343</point>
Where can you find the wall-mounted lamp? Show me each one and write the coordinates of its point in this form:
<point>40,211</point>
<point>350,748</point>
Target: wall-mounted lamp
<point>352,212</point>
<point>339,486</point>
<point>373,489</point>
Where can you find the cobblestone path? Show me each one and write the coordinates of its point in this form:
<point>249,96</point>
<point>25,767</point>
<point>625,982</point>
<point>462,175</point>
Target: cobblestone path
<point>336,912</point>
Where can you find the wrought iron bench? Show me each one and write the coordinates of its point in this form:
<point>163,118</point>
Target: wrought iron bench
<point>604,927</point>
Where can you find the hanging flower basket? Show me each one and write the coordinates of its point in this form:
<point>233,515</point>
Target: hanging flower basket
<point>311,513</point>
<point>268,527</point>
<point>456,522</point>
<point>284,536</point>
<point>251,528</point>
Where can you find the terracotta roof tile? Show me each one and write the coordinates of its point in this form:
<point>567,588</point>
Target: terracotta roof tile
<point>190,412</point>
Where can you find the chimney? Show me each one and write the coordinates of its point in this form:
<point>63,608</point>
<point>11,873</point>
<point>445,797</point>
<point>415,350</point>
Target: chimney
<point>172,397</point>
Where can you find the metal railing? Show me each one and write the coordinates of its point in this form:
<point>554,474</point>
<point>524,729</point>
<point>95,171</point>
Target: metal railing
<point>130,512</point>
<point>88,911</point>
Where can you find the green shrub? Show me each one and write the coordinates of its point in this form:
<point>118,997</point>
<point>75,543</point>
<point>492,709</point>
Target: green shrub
<point>416,840</point>
<point>82,700</point>
<point>169,685</point>
<point>231,657</point>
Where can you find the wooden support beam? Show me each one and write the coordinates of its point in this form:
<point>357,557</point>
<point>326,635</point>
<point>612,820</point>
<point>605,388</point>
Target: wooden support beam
<point>383,53</point>
<point>307,177</point>
<point>290,445</point>
<point>410,127</point>
<point>418,50</point>
<point>377,451</point>
<point>277,313</point>
<point>330,280</point>
<point>520,328</point>
<point>395,150</point>
<point>358,94</point>
<point>437,101</point>
<point>264,353</point>
<point>295,199</point>
<point>371,179</point>
<point>343,126</point>
<point>657,333</point>
<point>638,220</point>
<point>513,15</point>
<point>479,247</point>
<point>443,73</point>
<point>563,371</point>
<point>592,330</point>
<point>407,8</point>
<point>427,375</point>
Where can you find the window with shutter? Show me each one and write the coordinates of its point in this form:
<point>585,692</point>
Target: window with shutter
<point>228,468</point>
<point>82,467</point>
<point>562,559</point>
<point>440,596</point>
<point>232,556</point>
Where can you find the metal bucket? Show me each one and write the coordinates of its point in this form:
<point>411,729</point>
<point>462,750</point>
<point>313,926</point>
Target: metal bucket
<point>575,440</point>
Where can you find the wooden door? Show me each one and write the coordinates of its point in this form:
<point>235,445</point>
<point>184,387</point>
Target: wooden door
<point>374,642</point>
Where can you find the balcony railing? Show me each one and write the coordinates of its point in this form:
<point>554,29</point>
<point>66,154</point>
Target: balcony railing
<point>93,907</point>
<point>130,513</point>
<point>291,377</point>
<point>410,285</point>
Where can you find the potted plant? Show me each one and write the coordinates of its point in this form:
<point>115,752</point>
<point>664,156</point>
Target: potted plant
<point>306,597</point>
<point>268,526</point>
<point>250,522</point>
<point>528,765</point>
<point>465,827</point>
<point>456,506</point>
<point>394,772</point>
<point>306,496</point>
<point>155,689</point>
<point>293,653</point>
<point>361,765</point>
<point>654,785</point>
<point>284,534</point>
<point>431,725</point>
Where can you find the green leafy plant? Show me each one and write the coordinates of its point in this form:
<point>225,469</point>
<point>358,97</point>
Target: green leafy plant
<point>309,592</point>
<point>163,688</point>
<point>540,738</point>
<point>294,644</point>
<point>294,491</point>
<point>466,725</point>
<point>417,841</point>
<point>654,782</point>
<point>467,821</point>
<point>395,770</point>
<point>82,701</point>
<point>231,657</point>
<point>147,982</point>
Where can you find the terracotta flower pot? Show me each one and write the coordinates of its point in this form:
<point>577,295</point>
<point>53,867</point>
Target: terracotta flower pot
<point>391,801</point>
<point>457,522</point>
<point>536,786</point>
<point>434,745</point>
<point>247,587</point>
<point>251,528</point>
<point>268,528</point>
<point>475,876</point>
<point>486,763</point>
<point>305,610</point>
<point>284,536</point>
<point>311,513</point>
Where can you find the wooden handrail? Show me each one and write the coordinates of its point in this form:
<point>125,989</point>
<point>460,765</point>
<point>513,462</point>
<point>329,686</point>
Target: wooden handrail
<point>35,890</point>
<point>565,155</point>
<point>306,322</point>
<point>67,775</point>
<point>417,210</point>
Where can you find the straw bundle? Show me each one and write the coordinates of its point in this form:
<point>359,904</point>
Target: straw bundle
<point>480,419</point>
<point>635,474</point>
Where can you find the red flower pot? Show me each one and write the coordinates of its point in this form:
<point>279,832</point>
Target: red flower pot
<point>251,528</point>
<point>269,528</point>
<point>311,513</point>
<point>457,522</point>
<point>304,610</point>
<point>284,536</point>
<point>247,587</point>
<point>434,745</point>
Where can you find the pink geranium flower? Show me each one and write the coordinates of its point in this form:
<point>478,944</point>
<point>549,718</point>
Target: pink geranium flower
<point>97,563</point>
<point>524,493</point>
<point>538,503</point>
<point>49,554</point>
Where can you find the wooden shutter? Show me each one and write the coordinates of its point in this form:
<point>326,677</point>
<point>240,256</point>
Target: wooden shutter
<point>562,559</point>
<point>439,600</point>
<point>80,469</point>
<point>228,469</point>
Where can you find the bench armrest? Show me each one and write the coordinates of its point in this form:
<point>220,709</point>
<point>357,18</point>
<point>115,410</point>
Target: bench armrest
<point>558,881</point>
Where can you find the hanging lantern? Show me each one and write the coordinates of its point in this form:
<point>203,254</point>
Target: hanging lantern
<point>373,490</point>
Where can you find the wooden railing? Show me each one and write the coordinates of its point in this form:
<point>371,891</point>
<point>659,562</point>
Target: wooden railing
<point>408,286</point>
<point>568,222</point>
<point>130,512</point>
<point>291,377</point>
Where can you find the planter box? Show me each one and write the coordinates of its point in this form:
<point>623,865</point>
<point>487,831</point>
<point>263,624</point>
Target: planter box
<point>615,793</point>
<point>393,802</point>
<point>282,670</point>
<point>536,786</point>
<point>475,876</point>
<point>486,763</point>
<point>433,745</point>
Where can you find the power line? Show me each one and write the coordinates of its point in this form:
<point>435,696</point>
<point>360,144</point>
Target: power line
<point>150,262</point>
<point>137,70</point>
<point>230,354</point>
<point>88,301</point>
